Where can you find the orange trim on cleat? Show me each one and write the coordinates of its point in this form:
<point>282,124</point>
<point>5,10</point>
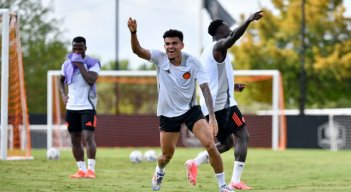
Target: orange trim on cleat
<point>78,174</point>
<point>191,170</point>
<point>90,174</point>
<point>241,186</point>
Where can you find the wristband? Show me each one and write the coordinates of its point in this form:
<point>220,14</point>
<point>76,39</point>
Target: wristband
<point>133,32</point>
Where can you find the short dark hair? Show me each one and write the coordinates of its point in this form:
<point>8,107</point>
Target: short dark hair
<point>212,28</point>
<point>173,33</point>
<point>79,39</point>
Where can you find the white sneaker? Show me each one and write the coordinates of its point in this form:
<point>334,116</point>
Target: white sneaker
<point>225,188</point>
<point>156,181</point>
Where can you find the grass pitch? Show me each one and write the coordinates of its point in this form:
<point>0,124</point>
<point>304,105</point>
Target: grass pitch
<point>266,170</point>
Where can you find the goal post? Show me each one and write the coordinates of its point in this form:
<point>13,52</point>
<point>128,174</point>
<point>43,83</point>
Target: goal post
<point>15,132</point>
<point>4,79</point>
<point>134,94</point>
<point>278,120</point>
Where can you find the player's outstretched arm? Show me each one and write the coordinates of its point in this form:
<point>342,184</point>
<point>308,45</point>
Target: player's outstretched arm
<point>239,31</point>
<point>137,49</point>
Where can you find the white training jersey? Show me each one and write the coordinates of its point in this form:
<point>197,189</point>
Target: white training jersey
<point>177,84</point>
<point>80,94</point>
<point>221,80</point>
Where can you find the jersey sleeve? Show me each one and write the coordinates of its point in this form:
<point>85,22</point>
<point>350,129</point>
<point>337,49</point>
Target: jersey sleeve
<point>95,68</point>
<point>63,69</point>
<point>156,56</point>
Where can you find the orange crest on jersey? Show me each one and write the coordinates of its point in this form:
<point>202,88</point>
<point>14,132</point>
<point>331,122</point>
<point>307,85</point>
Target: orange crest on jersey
<point>186,75</point>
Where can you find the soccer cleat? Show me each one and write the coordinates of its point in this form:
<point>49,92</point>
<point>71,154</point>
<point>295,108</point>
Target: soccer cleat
<point>240,185</point>
<point>191,170</point>
<point>78,174</point>
<point>225,188</point>
<point>156,181</point>
<point>90,174</point>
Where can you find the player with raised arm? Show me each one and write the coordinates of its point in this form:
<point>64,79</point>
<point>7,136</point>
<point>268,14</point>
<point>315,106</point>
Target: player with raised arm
<point>230,120</point>
<point>177,74</point>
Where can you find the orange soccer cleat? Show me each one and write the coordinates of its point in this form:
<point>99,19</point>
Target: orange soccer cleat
<point>191,170</point>
<point>90,174</point>
<point>240,185</point>
<point>78,174</point>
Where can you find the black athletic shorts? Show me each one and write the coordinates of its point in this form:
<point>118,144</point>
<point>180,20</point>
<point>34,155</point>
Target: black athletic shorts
<point>80,120</point>
<point>229,120</point>
<point>173,124</point>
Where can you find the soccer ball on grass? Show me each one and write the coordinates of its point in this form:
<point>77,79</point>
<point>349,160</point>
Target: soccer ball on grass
<point>53,154</point>
<point>150,155</point>
<point>136,156</point>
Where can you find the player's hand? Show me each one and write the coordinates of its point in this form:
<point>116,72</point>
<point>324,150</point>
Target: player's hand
<point>64,98</point>
<point>213,125</point>
<point>239,87</point>
<point>132,25</point>
<point>78,64</point>
<point>256,16</point>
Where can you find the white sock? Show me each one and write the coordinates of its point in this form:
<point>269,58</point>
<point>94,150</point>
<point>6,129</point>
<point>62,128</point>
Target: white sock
<point>91,164</point>
<point>220,179</point>
<point>201,158</point>
<point>81,166</point>
<point>237,170</point>
<point>159,170</point>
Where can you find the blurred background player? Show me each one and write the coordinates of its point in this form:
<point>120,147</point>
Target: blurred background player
<point>79,73</point>
<point>230,120</point>
<point>177,73</point>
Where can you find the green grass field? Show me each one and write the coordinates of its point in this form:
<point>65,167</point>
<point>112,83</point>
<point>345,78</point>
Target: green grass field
<point>266,170</point>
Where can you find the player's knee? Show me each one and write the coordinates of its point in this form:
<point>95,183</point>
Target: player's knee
<point>210,147</point>
<point>166,157</point>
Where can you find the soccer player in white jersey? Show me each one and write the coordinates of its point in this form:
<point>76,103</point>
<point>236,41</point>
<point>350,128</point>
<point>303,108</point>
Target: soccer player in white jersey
<point>230,120</point>
<point>177,73</point>
<point>79,73</point>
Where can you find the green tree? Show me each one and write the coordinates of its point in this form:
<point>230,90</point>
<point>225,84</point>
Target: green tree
<point>43,48</point>
<point>275,43</point>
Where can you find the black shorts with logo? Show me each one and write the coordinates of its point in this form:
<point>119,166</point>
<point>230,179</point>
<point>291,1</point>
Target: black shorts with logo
<point>173,124</point>
<point>229,120</point>
<point>78,120</point>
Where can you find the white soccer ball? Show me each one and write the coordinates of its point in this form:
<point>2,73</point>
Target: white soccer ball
<point>136,156</point>
<point>53,154</point>
<point>150,155</point>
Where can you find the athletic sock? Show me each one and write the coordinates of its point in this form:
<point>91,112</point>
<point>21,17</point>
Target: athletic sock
<point>91,164</point>
<point>159,170</point>
<point>220,179</point>
<point>81,166</point>
<point>237,170</point>
<point>201,158</point>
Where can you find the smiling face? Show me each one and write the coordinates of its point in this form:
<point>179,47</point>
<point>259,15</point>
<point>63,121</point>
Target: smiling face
<point>173,47</point>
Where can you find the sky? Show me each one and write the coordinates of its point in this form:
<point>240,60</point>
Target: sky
<point>96,21</point>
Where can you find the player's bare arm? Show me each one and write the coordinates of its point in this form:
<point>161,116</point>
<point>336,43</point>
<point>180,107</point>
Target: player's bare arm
<point>137,49</point>
<point>89,76</point>
<point>209,103</point>
<point>224,44</point>
<point>63,90</point>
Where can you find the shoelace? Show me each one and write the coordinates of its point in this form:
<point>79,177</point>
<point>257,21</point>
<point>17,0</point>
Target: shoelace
<point>159,178</point>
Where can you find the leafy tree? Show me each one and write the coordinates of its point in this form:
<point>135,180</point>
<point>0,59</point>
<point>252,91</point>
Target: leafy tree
<point>43,48</point>
<point>275,43</point>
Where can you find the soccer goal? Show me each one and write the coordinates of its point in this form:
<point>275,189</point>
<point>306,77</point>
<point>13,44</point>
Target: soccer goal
<point>15,133</point>
<point>127,105</point>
